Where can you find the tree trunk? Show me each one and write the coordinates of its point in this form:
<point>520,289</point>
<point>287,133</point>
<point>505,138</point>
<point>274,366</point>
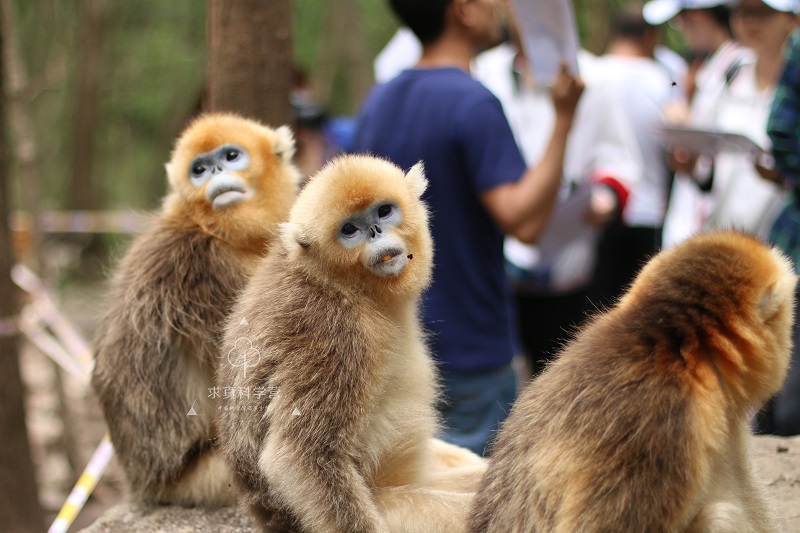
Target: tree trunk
<point>26,151</point>
<point>343,70</point>
<point>19,502</point>
<point>250,58</point>
<point>84,193</point>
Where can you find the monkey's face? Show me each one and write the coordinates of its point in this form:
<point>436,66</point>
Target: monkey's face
<point>218,175</point>
<point>234,177</point>
<point>360,220</point>
<point>372,231</point>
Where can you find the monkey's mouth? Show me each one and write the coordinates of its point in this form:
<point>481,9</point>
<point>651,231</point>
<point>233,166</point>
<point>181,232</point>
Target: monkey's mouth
<point>226,194</point>
<point>389,262</point>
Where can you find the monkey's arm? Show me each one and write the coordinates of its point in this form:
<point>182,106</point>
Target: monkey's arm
<point>141,383</point>
<point>325,491</point>
<point>312,454</point>
<point>154,353</point>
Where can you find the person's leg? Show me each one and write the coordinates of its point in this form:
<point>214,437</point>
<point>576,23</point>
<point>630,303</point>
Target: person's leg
<point>547,322</point>
<point>474,405</point>
<point>786,405</point>
<point>622,252</point>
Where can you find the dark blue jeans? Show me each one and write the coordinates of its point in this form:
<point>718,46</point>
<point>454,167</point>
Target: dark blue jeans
<point>781,415</point>
<point>475,404</point>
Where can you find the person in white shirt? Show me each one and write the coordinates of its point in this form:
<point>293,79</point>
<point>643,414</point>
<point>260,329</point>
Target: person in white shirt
<point>740,195</point>
<point>642,88</point>
<point>611,154</point>
<point>746,192</point>
<point>706,26</point>
<point>743,191</point>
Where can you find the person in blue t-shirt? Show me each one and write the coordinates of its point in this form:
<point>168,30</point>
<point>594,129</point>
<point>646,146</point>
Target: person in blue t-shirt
<point>479,190</point>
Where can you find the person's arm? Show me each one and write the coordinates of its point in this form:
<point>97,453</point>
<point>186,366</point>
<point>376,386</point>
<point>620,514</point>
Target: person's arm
<point>783,125</point>
<point>521,209</point>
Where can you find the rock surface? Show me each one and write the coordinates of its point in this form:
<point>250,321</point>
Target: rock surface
<point>777,460</point>
<point>152,519</point>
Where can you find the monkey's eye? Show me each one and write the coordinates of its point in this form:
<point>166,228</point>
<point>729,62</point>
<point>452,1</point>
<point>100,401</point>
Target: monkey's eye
<point>198,170</point>
<point>232,155</point>
<point>348,230</point>
<point>385,210</point>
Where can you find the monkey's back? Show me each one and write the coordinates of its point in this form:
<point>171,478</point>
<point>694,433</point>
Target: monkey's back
<point>641,421</point>
<point>595,432</point>
<point>156,349</point>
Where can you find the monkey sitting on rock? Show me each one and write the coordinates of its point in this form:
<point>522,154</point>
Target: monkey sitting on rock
<point>232,182</point>
<point>641,423</point>
<point>329,323</point>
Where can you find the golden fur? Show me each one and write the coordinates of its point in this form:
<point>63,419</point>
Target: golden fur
<point>346,443</point>
<point>641,423</point>
<point>156,350</point>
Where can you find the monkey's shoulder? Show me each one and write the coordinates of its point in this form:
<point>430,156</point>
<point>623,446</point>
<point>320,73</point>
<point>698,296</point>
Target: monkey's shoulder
<point>175,279</point>
<point>295,318</point>
<point>176,258</point>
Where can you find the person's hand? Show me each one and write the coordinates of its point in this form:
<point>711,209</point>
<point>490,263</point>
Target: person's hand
<point>602,206</point>
<point>681,159</point>
<point>565,92</point>
<point>676,112</point>
<point>769,174</point>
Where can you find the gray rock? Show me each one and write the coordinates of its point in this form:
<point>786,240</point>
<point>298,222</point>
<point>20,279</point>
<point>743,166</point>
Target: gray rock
<point>777,460</point>
<point>143,518</point>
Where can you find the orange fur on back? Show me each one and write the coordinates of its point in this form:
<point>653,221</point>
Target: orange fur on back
<point>641,422</point>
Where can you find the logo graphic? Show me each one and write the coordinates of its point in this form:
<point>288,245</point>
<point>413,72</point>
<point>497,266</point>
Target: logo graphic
<point>243,355</point>
<point>192,412</point>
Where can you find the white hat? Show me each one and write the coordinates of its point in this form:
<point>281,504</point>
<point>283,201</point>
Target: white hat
<point>657,12</point>
<point>788,6</point>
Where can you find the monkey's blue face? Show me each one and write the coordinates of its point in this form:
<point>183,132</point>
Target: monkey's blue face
<point>218,174</point>
<point>373,230</point>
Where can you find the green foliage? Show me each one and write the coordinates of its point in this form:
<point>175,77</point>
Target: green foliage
<point>152,77</point>
<point>155,64</point>
<point>315,35</point>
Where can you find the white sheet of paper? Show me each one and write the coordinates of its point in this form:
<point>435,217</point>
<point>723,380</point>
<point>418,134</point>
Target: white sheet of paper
<point>708,142</point>
<point>549,36</point>
<point>566,224</point>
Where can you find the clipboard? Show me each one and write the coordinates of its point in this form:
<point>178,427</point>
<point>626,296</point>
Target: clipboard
<point>709,142</point>
<point>549,36</point>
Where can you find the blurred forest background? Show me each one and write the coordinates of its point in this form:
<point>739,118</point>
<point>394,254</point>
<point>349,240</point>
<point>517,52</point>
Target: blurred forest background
<point>107,85</point>
<point>96,91</point>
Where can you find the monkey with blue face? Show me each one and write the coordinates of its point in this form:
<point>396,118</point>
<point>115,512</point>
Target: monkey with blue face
<point>231,183</point>
<point>346,443</point>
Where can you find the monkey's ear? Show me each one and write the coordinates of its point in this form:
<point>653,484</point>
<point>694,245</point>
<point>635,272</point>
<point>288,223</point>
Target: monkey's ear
<point>416,179</point>
<point>294,240</point>
<point>171,178</point>
<point>284,143</point>
<point>775,295</point>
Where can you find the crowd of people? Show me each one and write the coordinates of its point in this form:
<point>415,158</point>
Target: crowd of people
<point>547,196</point>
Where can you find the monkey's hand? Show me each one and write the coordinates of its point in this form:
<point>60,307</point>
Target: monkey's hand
<point>322,488</point>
